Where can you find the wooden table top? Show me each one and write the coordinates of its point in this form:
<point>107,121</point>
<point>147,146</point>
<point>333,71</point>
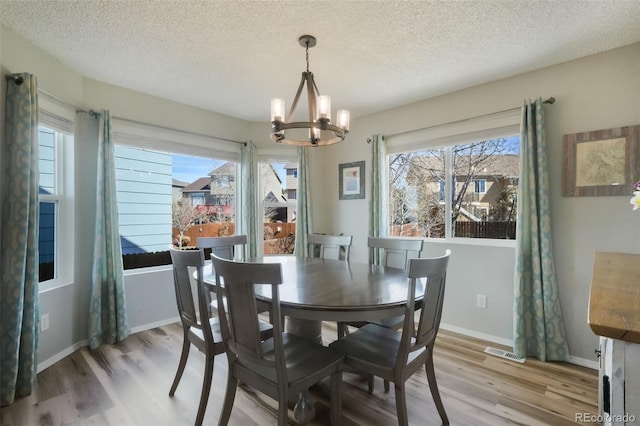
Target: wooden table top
<point>614,301</point>
<point>334,290</point>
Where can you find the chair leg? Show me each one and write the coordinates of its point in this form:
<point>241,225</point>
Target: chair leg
<point>370,382</point>
<point>283,409</point>
<point>401,404</point>
<point>336,398</point>
<point>183,362</point>
<point>386,385</point>
<point>433,385</point>
<point>206,387</point>
<point>229,397</point>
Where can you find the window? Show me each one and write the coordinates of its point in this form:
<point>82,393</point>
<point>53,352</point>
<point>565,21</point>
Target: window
<point>56,209</point>
<point>480,186</point>
<point>278,210</point>
<point>464,190</point>
<point>165,197</point>
<point>163,175</point>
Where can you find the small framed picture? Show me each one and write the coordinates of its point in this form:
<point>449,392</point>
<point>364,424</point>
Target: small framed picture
<point>601,162</point>
<point>351,180</point>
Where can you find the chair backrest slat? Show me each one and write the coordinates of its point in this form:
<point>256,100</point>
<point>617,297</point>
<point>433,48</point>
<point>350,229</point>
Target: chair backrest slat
<point>225,247</point>
<point>239,320</point>
<point>394,248</point>
<point>334,244</point>
<point>182,260</point>
<point>434,271</point>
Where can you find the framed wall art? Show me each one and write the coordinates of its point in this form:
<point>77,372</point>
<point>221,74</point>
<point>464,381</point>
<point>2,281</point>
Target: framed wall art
<point>351,180</point>
<point>602,162</point>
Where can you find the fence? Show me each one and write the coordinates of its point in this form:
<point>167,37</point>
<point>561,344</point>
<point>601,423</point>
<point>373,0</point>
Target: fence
<point>279,237</point>
<point>495,230</point>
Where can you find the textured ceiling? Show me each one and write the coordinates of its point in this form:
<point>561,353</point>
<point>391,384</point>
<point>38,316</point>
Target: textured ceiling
<point>232,57</point>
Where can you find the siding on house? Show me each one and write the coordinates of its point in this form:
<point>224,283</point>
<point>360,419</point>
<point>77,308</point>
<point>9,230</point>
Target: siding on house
<point>144,183</point>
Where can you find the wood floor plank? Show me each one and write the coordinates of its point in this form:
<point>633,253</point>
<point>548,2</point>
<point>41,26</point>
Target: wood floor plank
<point>128,384</point>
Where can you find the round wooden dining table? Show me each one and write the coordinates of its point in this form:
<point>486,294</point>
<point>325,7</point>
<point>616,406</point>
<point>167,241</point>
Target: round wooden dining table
<point>334,290</point>
<point>316,290</point>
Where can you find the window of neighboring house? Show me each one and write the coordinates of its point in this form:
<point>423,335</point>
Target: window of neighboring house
<point>435,193</point>
<point>278,211</point>
<point>152,214</point>
<point>56,226</point>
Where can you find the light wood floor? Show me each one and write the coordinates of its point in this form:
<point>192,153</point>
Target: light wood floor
<point>128,384</point>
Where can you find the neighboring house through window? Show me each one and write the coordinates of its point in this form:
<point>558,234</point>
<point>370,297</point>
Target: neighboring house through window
<point>158,171</point>
<point>463,190</point>
<point>278,210</point>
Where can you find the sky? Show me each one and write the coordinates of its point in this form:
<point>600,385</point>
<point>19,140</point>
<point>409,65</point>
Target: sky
<point>188,168</point>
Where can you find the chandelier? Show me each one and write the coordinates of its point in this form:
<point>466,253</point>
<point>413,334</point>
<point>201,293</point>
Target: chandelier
<point>318,130</point>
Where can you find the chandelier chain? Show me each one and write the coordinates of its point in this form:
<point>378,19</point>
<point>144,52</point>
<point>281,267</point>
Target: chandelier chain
<point>307,49</point>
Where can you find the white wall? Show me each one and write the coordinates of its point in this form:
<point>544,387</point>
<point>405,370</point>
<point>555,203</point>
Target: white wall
<point>596,92</point>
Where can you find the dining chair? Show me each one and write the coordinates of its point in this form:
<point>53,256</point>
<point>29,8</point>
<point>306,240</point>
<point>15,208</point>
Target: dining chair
<point>330,246</point>
<point>280,367</point>
<point>227,247</point>
<point>394,252</point>
<point>198,327</point>
<point>224,247</point>
<point>395,356</point>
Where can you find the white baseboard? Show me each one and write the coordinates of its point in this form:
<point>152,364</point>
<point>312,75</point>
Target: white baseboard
<point>507,342</point>
<point>478,335</point>
<point>61,355</point>
<point>71,349</point>
<point>594,365</point>
<point>156,324</point>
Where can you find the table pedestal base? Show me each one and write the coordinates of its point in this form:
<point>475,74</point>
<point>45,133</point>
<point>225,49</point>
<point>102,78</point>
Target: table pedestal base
<point>304,411</point>
<point>307,329</point>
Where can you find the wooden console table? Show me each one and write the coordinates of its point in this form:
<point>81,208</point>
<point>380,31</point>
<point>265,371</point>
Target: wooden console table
<point>614,315</point>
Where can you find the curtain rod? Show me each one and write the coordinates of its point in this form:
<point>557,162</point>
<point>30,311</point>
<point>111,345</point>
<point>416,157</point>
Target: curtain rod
<point>16,77</point>
<point>549,101</point>
<point>96,114</point>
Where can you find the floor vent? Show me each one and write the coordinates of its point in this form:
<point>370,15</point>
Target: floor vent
<point>502,354</point>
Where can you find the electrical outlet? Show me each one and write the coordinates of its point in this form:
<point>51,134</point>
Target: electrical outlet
<point>481,301</point>
<point>44,322</point>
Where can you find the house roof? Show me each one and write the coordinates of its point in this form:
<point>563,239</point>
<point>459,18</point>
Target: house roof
<point>227,168</point>
<point>505,165</point>
<point>202,184</point>
<point>178,183</point>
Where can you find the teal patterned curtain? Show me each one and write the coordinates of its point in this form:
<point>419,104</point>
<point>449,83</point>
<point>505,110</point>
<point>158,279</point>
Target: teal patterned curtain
<point>303,205</point>
<point>19,304</point>
<point>538,328</point>
<point>249,197</point>
<point>107,307</point>
<point>378,209</point>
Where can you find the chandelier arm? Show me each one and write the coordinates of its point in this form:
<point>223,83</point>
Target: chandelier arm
<point>311,97</point>
<point>296,98</point>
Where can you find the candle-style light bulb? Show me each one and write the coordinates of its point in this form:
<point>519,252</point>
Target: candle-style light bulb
<point>343,119</point>
<point>277,109</point>
<point>324,107</point>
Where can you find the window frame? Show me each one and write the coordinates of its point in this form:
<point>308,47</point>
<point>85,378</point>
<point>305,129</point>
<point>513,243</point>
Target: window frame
<point>284,156</point>
<point>172,141</point>
<point>483,185</point>
<point>63,199</point>
<point>497,125</point>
